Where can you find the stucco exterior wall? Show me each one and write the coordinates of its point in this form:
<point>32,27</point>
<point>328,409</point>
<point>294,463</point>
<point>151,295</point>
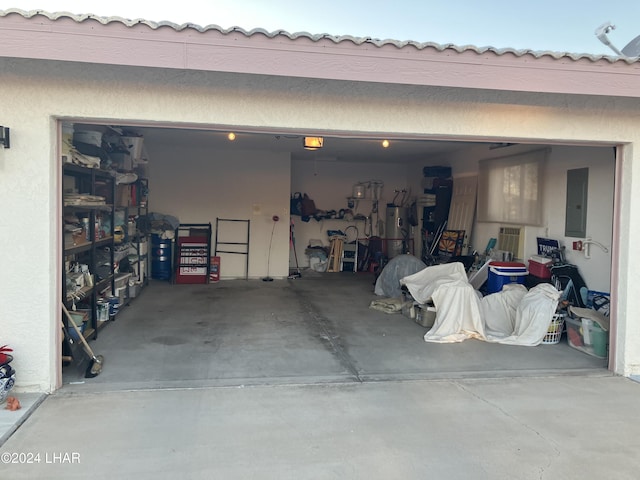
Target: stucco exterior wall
<point>35,93</point>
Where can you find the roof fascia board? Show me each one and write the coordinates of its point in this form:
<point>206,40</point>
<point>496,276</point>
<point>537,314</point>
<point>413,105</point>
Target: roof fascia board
<point>115,43</point>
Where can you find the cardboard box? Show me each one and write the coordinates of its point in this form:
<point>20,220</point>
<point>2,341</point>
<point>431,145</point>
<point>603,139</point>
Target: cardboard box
<point>123,196</point>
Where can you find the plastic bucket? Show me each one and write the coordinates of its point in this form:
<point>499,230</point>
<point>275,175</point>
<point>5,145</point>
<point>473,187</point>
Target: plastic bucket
<point>102,311</point>
<point>114,305</point>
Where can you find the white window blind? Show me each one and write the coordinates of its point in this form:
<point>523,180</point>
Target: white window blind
<point>510,188</point>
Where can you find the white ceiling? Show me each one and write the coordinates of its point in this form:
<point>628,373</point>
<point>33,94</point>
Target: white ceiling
<point>336,148</point>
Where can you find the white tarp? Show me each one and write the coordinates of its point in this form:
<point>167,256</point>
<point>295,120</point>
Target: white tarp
<point>458,314</point>
<point>499,310</point>
<point>513,316</point>
<point>533,316</point>
<point>422,284</point>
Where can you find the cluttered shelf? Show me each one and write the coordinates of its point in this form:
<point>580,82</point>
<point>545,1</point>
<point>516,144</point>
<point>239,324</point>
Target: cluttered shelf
<point>86,245</point>
<point>70,168</point>
<point>105,207</point>
<point>86,290</point>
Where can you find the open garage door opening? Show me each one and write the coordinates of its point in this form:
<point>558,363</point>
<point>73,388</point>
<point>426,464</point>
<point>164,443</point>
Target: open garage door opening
<point>389,195</point>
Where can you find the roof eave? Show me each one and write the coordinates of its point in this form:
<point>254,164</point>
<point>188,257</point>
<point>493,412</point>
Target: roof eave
<point>114,41</point>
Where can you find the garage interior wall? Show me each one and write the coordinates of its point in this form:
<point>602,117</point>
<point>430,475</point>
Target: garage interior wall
<point>198,185</point>
<point>330,183</point>
<point>601,164</point>
<point>37,93</point>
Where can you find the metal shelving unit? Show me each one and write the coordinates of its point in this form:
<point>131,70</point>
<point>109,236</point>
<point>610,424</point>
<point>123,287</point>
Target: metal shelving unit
<point>81,251</point>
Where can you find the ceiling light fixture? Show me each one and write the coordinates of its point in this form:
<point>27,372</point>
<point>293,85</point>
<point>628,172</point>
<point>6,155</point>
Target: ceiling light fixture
<point>385,143</point>
<point>231,136</point>
<point>313,143</point>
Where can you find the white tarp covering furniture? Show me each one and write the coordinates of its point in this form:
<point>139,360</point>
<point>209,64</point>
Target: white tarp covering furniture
<point>513,316</point>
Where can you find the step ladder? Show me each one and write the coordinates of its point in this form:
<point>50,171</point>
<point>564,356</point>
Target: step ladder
<point>349,257</point>
<point>349,261</point>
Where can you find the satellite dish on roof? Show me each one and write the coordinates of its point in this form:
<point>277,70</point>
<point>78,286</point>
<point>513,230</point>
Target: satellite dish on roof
<point>631,50</point>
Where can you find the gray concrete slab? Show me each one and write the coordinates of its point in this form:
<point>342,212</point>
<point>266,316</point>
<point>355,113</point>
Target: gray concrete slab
<point>315,329</point>
<point>569,427</point>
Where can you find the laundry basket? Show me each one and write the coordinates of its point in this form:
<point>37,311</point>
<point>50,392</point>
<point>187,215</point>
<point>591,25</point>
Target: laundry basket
<point>555,330</point>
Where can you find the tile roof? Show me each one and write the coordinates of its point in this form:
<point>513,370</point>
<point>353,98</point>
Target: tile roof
<point>317,37</point>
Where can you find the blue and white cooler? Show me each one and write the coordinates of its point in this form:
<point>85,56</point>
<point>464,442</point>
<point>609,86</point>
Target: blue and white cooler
<point>503,273</point>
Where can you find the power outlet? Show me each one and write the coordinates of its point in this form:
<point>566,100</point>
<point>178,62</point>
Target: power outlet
<point>577,246</point>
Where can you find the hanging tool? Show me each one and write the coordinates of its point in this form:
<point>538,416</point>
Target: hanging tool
<point>268,278</point>
<point>95,367</point>
<point>292,243</point>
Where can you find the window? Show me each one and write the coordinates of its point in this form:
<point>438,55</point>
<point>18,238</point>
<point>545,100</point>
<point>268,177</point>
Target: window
<point>510,188</point>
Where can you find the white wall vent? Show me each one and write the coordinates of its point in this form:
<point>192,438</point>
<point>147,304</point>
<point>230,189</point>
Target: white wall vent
<point>511,239</point>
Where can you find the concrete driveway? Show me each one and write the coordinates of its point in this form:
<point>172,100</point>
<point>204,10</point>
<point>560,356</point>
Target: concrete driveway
<point>300,379</point>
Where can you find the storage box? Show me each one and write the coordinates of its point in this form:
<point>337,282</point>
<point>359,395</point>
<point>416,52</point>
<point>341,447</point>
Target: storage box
<point>123,295</point>
<point>90,137</point>
<point>123,196</point>
<point>503,273</point>
<point>122,280</point>
<point>587,336</point>
<point>425,315</point>
<point>134,289</point>
<point>539,267</point>
<point>75,238</point>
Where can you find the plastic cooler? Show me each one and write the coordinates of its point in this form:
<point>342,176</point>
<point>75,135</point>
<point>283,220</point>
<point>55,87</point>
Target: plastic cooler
<point>539,267</point>
<point>503,273</point>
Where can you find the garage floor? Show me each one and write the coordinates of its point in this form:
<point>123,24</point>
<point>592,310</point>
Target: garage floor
<point>315,329</point>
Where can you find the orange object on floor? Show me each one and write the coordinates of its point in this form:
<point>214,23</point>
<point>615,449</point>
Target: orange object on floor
<point>13,404</point>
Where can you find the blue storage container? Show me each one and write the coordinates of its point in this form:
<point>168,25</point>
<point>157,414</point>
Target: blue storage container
<point>502,273</point>
<point>160,258</point>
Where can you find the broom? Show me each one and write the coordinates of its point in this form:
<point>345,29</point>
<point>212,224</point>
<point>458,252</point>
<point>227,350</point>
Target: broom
<point>95,367</point>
